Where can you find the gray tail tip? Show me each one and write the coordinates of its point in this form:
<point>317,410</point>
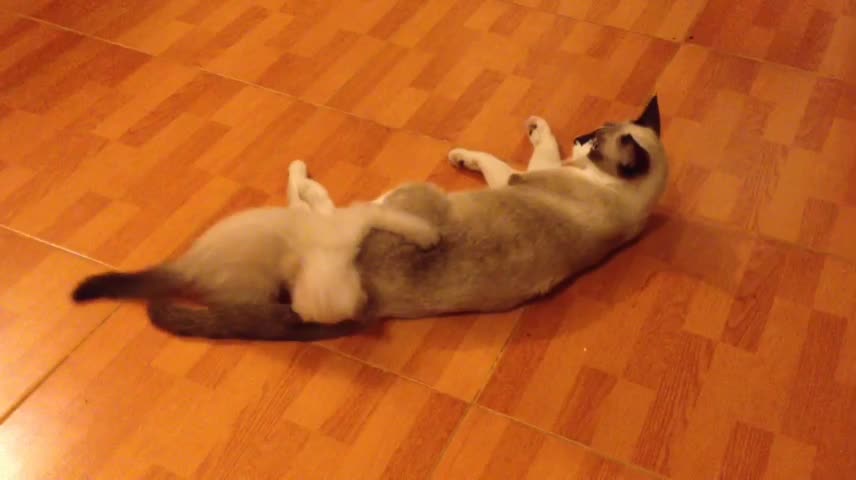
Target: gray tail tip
<point>112,285</point>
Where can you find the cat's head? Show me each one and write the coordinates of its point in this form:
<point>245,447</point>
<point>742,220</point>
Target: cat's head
<point>627,150</point>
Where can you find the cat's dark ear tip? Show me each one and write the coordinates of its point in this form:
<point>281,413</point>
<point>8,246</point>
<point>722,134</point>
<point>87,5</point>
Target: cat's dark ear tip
<point>654,102</point>
<point>651,115</point>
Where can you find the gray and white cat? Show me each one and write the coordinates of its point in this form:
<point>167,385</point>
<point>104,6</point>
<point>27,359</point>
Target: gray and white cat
<point>528,231</point>
<point>499,246</point>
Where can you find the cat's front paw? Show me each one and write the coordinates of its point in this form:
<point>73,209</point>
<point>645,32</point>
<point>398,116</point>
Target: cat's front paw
<point>463,158</point>
<point>579,156</point>
<point>538,130</point>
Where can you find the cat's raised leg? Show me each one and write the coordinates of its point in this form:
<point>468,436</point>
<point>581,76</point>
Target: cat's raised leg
<point>414,229</point>
<point>296,173</point>
<point>304,192</point>
<point>545,153</point>
<point>316,196</point>
<point>494,170</point>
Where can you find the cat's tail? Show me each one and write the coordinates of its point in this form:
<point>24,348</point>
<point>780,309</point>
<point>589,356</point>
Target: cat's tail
<point>265,321</point>
<point>148,284</point>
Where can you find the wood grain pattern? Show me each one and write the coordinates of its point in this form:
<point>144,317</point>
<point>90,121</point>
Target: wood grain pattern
<point>721,345</point>
<point>144,400</point>
<point>488,445</point>
<point>678,386</point>
<point>807,34</point>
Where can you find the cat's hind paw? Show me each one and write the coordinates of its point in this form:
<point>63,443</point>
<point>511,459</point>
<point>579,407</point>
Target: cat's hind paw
<point>297,169</point>
<point>538,130</point>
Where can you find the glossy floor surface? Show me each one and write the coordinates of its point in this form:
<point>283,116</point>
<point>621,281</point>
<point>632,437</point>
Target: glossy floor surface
<point>722,345</point>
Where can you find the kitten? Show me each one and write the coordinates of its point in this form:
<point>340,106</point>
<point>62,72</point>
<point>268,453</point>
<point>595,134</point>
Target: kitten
<point>307,248</point>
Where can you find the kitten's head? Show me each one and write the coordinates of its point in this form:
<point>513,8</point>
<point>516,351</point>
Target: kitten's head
<point>627,150</point>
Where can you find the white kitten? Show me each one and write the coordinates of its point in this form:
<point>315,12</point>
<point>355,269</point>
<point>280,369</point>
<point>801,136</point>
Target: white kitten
<point>307,248</point>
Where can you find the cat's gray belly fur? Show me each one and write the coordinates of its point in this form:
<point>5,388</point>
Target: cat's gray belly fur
<point>510,250</point>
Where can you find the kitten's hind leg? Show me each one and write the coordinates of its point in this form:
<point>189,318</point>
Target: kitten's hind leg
<point>305,192</point>
<point>545,153</point>
<point>296,174</point>
<point>414,229</point>
<point>316,196</point>
<point>495,171</point>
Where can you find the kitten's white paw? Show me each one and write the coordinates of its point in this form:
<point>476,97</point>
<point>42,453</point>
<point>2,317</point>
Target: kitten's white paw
<point>298,168</point>
<point>463,158</point>
<point>538,130</point>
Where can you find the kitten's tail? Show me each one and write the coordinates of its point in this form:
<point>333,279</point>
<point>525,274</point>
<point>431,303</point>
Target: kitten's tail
<point>153,283</point>
<point>266,321</point>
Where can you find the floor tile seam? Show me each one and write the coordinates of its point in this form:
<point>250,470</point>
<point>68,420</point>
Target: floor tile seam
<point>501,353</point>
<point>54,246</point>
<point>454,433</point>
<point>387,370</point>
<point>43,378</point>
<point>35,386</point>
<point>574,443</point>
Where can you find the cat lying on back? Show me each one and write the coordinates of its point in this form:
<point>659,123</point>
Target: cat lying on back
<point>247,258</point>
<point>499,246</point>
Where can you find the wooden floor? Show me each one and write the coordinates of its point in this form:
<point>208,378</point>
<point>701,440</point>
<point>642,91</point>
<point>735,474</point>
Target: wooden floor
<point>723,345</point>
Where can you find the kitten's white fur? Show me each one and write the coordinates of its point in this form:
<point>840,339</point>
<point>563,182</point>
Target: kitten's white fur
<point>247,258</point>
<point>325,286</point>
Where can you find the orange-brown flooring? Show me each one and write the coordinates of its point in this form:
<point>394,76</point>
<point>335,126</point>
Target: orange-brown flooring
<point>723,345</point>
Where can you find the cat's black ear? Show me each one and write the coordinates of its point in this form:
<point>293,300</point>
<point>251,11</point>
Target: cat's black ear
<point>650,118</point>
<point>639,162</point>
<point>583,139</point>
